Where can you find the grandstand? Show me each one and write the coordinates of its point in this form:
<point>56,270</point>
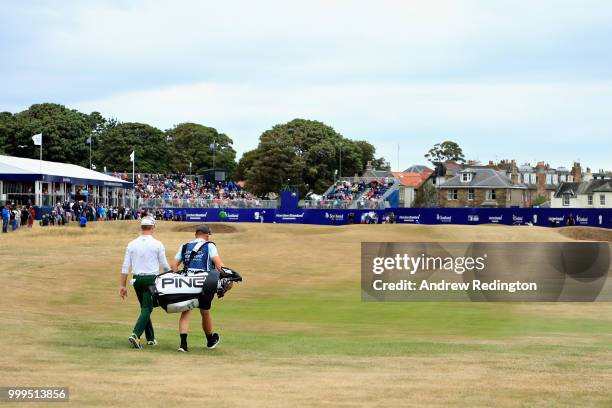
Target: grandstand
<point>357,193</point>
<point>183,191</point>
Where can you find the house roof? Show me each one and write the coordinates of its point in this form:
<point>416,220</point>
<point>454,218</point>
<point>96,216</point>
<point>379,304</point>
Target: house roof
<point>586,187</point>
<point>482,178</point>
<point>22,169</point>
<point>416,168</point>
<point>412,179</point>
<point>377,173</point>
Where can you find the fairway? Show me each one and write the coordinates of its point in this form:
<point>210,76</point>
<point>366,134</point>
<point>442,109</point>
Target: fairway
<point>295,333</point>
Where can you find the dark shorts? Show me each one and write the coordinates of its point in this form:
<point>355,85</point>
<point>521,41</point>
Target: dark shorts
<point>205,300</point>
<point>210,289</point>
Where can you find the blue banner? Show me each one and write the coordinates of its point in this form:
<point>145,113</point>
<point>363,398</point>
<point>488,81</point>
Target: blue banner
<point>542,217</point>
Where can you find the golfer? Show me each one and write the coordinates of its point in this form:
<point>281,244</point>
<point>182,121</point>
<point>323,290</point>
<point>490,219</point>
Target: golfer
<point>144,255</point>
<point>199,255</point>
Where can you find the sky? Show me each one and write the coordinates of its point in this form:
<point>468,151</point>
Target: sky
<point>524,80</point>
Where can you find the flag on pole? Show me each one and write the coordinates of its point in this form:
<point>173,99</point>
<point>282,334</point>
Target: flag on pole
<point>37,139</point>
<point>89,140</point>
<point>212,146</point>
<point>132,156</point>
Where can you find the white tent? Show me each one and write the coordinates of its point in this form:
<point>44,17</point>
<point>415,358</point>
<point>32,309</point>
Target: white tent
<point>46,183</point>
<point>21,169</point>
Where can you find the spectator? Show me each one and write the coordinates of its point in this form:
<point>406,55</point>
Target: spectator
<point>25,212</point>
<point>12,219</point>
<point>31,217</point>
<point>5,218</point>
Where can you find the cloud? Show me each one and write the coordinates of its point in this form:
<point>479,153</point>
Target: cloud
<point>521,120</point>
<point>520,79</point>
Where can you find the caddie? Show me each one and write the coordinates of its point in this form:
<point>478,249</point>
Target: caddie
<point>144,256</point>
<point>198,256</point>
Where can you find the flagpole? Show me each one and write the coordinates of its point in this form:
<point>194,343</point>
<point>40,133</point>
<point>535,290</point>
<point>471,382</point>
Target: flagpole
<point>398,148</point>
<point>40,161</point>
<point>90,142</point>
<point>214,154</point>
<point>133,171</point>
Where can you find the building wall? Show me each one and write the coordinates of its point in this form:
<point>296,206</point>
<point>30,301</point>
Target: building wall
<point>480,196</point>
<point>406,196</point>
<point>582,201</point>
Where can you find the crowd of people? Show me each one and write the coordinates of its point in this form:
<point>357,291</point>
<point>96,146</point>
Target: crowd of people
<point>17,216</point>
<point>367,194</point>
<point>66,212</point>
<point>181,187</point>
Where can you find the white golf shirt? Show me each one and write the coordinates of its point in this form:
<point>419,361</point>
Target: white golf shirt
<point>145,255</point>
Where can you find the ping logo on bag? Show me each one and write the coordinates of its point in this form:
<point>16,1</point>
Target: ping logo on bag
<point>183,282</point>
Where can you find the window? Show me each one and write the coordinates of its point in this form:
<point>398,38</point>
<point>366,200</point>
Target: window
<point>491,195</point>
<point>590,199</point>
<point>555,179</point>
<point>566,200</point>
<point>452,194</point>
<point>471,194</point>
<point>466,177</point>
<point>602,199</point>
<point>549,179</point>
<point>532,176</point>
<point>563,178</point>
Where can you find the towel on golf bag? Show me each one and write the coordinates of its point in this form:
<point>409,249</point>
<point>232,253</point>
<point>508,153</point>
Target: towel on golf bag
<point>177,292</point>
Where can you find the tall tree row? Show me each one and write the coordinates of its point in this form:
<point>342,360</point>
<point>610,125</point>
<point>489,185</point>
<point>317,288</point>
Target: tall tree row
<point>66,133</point>
<point>304,153</point>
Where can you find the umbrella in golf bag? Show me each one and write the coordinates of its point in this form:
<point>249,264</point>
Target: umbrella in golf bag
<point>178,292</point>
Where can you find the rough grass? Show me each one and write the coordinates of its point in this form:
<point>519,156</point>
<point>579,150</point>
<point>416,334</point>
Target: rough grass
<point>295,333</point>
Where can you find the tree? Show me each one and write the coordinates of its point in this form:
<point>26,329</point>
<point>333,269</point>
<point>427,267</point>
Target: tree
<point>368,155</point>
<point>304,153</point>
<point>426,196</point>
<point>539,200</point>
<point>6,127</point>
<point>442,152</point>
<point>190,142</point>
<point>65,132</point>
<point>117,143</point>
<point>247,161</point>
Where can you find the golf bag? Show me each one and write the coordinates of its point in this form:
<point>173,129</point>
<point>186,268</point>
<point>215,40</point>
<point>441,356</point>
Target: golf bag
<point>178,292</point>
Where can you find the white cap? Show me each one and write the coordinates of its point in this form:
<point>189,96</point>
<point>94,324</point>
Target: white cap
<point>147,221</point>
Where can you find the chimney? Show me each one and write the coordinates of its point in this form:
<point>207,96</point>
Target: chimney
<point>588,175</point>
<point>577,172</point>
<point>514,174</point>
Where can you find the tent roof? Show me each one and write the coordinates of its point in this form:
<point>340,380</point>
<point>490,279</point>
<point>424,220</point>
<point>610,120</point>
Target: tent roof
<point>22,169</point>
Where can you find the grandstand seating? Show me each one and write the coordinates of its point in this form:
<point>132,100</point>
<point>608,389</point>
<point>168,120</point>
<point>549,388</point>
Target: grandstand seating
<point>356,192</point>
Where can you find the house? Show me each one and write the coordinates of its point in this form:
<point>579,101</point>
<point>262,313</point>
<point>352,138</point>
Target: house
<point>445,171</point>
<point>409,183</point>
<point>595,192</point>
<point>543,181</point>
<point>482,187</point>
